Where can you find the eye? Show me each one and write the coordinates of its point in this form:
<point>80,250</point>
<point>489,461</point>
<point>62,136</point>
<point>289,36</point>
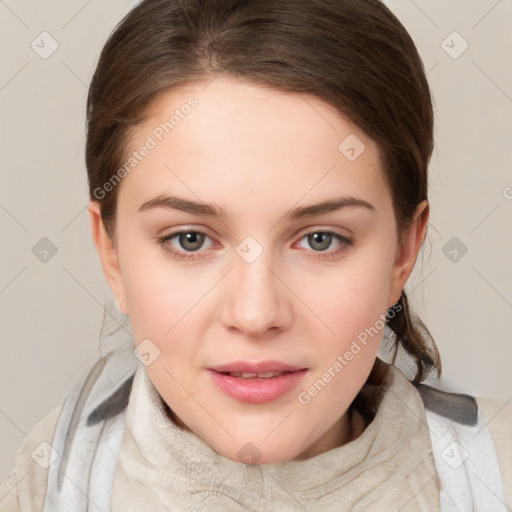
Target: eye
<point>321,240</point>
<point>187,241</point>
<point>184,244</point>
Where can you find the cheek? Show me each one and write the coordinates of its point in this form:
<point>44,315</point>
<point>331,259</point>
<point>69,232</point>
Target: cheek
<point>351,301</point>
<point>355,294</point>
<point>171,305</point>
<point>158,294</point>
<point>353,306</point>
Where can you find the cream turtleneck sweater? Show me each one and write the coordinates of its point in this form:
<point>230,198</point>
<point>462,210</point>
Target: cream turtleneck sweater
<point>389,467</point>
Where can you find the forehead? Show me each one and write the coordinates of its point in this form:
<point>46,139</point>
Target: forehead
<point>232,137</point>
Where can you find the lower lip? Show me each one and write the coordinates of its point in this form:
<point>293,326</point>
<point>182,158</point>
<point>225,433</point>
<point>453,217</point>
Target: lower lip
<point>257,391</point>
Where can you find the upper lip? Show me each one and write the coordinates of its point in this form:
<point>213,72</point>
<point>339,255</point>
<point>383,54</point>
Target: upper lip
<point>260,367</point>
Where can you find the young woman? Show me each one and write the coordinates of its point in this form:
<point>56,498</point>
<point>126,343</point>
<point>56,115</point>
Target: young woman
<point>258,185</point>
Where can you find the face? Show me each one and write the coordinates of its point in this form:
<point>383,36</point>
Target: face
<point>223,256</point>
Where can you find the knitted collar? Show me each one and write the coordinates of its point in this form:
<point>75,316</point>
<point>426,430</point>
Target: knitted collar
<point>389,466</point>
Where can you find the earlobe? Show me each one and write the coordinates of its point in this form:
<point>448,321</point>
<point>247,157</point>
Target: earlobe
<point>407,252</point>
<point>107,253</point>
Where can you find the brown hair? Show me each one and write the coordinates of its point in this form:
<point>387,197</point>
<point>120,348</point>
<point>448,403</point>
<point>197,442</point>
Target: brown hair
<point>353,54</point>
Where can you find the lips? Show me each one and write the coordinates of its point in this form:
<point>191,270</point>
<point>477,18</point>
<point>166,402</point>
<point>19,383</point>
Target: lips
<point>256,382</point>
<point>254,390</point>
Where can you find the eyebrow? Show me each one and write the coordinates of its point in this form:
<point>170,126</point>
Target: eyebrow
<point>185,205</point>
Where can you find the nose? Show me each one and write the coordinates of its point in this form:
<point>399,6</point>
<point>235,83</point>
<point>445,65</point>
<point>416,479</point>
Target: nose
<point>256,301</point>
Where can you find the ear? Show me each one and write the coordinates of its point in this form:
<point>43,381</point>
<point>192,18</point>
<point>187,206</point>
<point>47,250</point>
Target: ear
<point>407,252</point>
<point>107,253</point>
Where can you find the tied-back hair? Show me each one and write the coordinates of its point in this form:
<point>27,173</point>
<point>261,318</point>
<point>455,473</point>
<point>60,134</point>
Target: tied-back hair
<point>353,54</point>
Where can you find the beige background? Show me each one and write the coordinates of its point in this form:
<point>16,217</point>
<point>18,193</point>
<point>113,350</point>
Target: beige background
<point>51,313</point>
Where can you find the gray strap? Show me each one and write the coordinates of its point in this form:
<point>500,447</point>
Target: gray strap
<point>455,406</point>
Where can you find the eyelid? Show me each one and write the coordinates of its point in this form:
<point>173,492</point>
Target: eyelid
<point>324,229</point>
<point>187,228</point>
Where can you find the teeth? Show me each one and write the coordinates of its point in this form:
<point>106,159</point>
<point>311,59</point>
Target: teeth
<point>266,375</point>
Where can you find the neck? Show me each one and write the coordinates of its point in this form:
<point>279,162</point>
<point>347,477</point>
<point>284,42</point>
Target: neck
<point>348,428</point>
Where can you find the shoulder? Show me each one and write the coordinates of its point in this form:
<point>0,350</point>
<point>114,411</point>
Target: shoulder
<point>498,418</point>
<point>9,494</point>
<point>25,487</point>
<point>498,414</point>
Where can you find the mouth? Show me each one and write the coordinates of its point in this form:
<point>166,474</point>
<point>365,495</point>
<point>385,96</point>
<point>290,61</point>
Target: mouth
<point>257,383</point>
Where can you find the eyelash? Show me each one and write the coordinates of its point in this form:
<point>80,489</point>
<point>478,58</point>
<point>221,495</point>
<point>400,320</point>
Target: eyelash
<point>345,242</point>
